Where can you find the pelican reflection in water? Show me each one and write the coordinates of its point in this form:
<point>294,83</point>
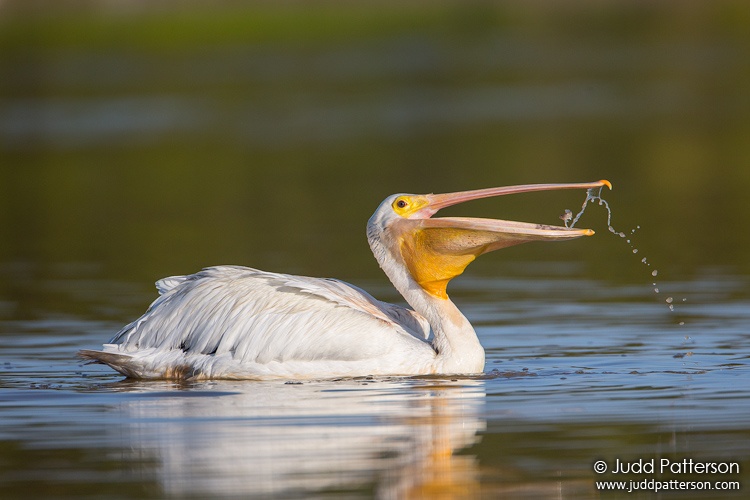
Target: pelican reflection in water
<point>240,323</point>
<point>398,438</point>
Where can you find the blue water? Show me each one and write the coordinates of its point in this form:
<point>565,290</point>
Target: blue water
<point>577,370</point>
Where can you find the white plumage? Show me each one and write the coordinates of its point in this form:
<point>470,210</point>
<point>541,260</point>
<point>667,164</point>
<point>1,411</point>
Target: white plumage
<point>241,323</point>
<point>236,322</point>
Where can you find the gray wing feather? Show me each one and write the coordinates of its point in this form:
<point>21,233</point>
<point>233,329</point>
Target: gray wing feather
<point>253,315</point>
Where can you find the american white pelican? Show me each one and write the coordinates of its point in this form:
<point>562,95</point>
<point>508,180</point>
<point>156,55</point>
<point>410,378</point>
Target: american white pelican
<point>239,323</point>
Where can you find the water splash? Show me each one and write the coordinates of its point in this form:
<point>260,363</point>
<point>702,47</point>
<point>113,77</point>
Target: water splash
<point>594,195</point>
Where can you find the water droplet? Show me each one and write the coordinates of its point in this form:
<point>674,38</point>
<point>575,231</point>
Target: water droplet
<point>669,300</point>
<point>656,290</point>
<point>654,272</point>
<point>567,216</point>
<point>684,300</point>
<point>635,250</point>
<point>682,323</point>
<point>643,260</point>
<point>621,234</point>
<point>671,307</point>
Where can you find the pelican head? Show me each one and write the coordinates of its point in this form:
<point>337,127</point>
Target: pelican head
<point>413,248</point>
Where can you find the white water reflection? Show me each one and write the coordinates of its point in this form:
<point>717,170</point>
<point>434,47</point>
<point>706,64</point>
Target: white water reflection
<point>394,438</point>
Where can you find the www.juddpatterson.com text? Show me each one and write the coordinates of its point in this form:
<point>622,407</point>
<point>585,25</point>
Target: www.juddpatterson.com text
<point>665,470</point>
<point>654,485</point>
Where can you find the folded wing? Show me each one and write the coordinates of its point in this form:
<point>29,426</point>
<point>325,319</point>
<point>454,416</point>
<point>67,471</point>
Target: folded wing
<point>259,317</point>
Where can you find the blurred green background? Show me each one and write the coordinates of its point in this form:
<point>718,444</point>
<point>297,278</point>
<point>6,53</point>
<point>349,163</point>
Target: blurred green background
<point>144,139</point>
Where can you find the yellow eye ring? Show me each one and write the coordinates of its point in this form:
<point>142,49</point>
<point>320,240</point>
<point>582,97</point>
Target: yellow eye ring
<point>407,205</point>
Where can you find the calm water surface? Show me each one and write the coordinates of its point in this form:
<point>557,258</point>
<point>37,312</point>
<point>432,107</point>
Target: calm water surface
<point>578,370</point>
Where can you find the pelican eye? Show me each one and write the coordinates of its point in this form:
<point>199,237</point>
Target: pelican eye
<point>408,205</point>
<point>401,205</point>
